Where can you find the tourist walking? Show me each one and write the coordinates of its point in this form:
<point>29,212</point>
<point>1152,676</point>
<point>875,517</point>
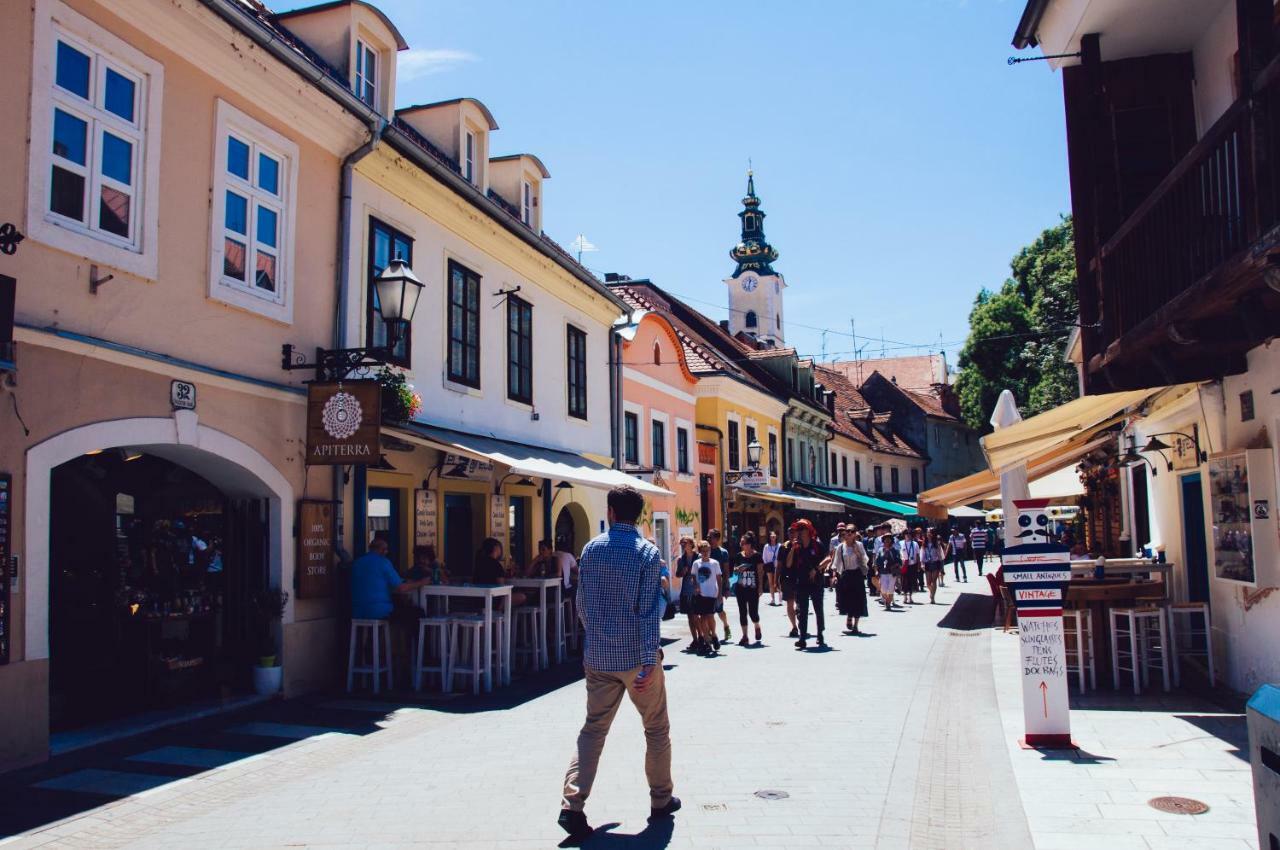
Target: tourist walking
<point>710,596</point>
<point>748,573</point>
<point>888,561</point>
<point>619,606</point>
<point>805,556</point>
<point>721,556</point>
<point>688,588</point>
<point>787,577</point>
<point>978,542</point>
<point>932,556</point>
<point>769,555</point>
<point>957,542</point>
<point>910,551</point>
<point>849,560</point>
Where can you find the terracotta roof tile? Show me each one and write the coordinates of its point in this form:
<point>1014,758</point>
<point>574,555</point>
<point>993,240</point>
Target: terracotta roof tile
<point>855,418</point>
<point>919,372</point>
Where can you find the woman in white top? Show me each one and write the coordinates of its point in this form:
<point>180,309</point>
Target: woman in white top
<point>849,560</point>
<point>769,555</point>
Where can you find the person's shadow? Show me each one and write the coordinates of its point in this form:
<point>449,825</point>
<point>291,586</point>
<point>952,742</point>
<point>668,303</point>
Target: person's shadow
<point>653,837</point>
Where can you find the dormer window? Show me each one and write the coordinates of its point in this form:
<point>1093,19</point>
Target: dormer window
<point>526,202</point>
<point>469,156</point>
<point>366,76</point>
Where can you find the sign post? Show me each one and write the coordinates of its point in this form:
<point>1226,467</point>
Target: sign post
<point>1038,572</point>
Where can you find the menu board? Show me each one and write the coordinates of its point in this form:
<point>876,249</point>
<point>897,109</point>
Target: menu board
<point>1231,516</point>
<point>424,517</point>
<point>498,519</point>
<point>6,577</point>
<point>315,549</point>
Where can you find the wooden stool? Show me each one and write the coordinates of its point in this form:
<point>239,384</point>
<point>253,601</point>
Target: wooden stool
<point>433,643</point>
<point>1141,627</point>
<point>466,636</point>
<point>1189,610</point>
<point>527,634</point>
<point>1077,624</point>
<point>376,632</point>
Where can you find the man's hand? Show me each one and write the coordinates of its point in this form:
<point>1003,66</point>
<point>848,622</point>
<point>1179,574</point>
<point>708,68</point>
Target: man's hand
<point>644,677</point>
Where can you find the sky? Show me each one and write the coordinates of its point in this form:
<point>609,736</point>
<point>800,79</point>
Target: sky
<point>901,162</point>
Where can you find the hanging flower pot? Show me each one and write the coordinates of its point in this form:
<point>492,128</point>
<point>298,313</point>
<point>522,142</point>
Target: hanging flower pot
<point>399,401</point>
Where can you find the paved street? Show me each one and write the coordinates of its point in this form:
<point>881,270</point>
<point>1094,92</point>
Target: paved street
<point>892,740</point>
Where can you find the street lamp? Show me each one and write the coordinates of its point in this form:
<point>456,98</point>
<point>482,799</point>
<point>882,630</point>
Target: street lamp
<point>753,454</point>
<point>398,290</point>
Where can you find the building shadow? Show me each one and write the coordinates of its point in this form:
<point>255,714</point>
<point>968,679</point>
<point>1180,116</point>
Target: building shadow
<point>970,612</point>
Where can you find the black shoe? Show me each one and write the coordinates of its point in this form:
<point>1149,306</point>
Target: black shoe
<point>715,642</point>
<point>794,633</point>
<point>821,642</point>
<point>575,823</point>
<point>744,641</point>
<point>672,806</point>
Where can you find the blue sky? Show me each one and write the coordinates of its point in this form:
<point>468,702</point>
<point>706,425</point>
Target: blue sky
<point>900,160</point>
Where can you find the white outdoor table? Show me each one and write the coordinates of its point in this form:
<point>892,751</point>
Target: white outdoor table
<point>1123,567</point>
<point>489,593</point>
<point>543,585</point>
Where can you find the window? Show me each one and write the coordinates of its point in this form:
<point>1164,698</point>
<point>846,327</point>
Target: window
<point>464,326</point>
<point>893,479</point>
<point>576,348</point>
<point>92,174</point>
<point>469,156</point>
<point>659,448</point>
<point>834,479</point>
<point>857,475</point>
<point>751,320</point>
<point>791,459</point>
<point>751,438</point>
<point>682,450</point>
<point>877,478</point>
<point>844,471</point>
<point>773,455</point>
<point>519,350</point>
<point>526,202</point>
<point>366,79</point>
<point>631,438</point>
<point>735,461</point>
<point>915,481</point>
<point>385,244</point>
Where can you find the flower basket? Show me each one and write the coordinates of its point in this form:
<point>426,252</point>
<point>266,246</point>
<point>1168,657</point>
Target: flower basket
<point>399,401</point>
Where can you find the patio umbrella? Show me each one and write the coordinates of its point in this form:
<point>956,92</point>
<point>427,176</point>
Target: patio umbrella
<point>1013,481</point>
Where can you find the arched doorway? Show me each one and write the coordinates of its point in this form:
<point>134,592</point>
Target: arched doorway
<point>180,454</point>
<point>572,530</point>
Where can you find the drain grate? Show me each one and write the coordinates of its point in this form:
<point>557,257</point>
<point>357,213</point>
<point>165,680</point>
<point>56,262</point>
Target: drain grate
<point>772,795</point>
<point>714,807</point>
<point>1178,805</point>
<point>775,723</point>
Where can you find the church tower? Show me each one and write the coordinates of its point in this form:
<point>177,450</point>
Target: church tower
<point>755,289</point>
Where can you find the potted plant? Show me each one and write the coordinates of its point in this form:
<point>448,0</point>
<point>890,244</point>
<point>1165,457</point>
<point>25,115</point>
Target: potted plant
<point>399,401</point>
<point>267,672</point>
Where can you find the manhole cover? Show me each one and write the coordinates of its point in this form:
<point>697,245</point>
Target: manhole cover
<point>714,807</point>
<point>1178,805</point>
<point>772,795</point>
<point>775,723</point>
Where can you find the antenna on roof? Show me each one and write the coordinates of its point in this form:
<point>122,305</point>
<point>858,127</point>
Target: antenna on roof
<point>581,246</point>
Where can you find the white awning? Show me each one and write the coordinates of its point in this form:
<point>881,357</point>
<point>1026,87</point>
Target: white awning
<point>800,500</point>
<point>533,461</point>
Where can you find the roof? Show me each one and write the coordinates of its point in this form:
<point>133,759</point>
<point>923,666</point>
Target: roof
<point>1025,35</point>
<point>401,44</point>
<point>855,418</point>
<point>488,116</point>
<point>542,169</point>
<point>917,372</point>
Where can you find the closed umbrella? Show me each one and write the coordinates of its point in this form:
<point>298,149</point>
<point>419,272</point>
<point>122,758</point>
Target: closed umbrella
<point>1013,481</point>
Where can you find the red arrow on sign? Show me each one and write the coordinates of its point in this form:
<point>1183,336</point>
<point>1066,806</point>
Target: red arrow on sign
<point>1044,696</point>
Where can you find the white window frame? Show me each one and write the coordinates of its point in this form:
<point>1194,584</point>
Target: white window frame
<point>470,150</point>
<point>245,295</point>
<point>360,77</point>
<point>526,202</point>
<point>137,255</point>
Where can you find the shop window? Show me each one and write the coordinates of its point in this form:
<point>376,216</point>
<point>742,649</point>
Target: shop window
<point>519,350</point>
<point>385,244</point>
<point>464,326</point>
<point>631,438</point>
<point>576,367</point>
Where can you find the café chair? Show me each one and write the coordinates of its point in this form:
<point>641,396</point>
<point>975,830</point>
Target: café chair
<point>1176,632</point>
<point>526,634</point>
<point>1145,632</point>
<point>1078,626</point>
<point>466,638</point>
<point>372,634</point>
<point>432,646</point>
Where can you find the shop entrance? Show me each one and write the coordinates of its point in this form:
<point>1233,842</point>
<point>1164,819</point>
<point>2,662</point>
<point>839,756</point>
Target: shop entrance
<point>1194,549</point>
<point>459,546</point>
<point>152,574</point>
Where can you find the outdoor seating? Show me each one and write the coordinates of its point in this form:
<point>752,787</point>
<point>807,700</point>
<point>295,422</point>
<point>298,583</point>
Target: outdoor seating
<point>466,638</point>
<point>526,631</point>
<point>1177,632</point>
<point>572,628</point>
<point>1145,632</point>
<point>432,646</point>
<point>374,636</point>
<point>1078,628</point>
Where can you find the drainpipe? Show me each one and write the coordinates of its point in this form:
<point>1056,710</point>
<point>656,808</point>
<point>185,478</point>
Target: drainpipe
<point>615,396</point>
<point>789,461</point>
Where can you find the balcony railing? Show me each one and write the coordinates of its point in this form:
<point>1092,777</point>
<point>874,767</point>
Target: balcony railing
<point>1211,206</point>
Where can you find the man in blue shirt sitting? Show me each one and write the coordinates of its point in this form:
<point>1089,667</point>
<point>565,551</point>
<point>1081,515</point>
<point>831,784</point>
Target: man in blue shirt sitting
<point>373,580</point>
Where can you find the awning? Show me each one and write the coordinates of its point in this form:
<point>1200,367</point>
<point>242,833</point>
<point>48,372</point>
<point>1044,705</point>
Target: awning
<point>533,461</point>
<point>861,501</point>
<point>800,500</point>
<point>1073,421</point>
<point>965,512</point>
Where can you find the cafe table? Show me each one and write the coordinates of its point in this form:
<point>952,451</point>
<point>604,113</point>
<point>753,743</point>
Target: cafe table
<point>545,586</point>
<point>490,593</point>
<point>1099,596</point>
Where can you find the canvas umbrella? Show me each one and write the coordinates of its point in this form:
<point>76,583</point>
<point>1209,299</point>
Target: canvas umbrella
<point>1013,480</point>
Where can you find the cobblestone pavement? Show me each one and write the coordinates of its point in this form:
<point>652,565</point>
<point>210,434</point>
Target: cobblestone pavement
<point>891,740</point>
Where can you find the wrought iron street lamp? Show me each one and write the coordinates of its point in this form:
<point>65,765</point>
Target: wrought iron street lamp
<point>754,450</point>
<point>398,290</point>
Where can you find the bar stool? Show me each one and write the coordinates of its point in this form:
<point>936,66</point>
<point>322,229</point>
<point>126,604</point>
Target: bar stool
<point>526,634</point>
<point>500,655</point>
<point>571,624</point>
<point>433,644</point>
<point>466,635</point>
<point>1189,610</point>
<point>374,632</point>
<point>1141,627</point>
<point>1077,624</point>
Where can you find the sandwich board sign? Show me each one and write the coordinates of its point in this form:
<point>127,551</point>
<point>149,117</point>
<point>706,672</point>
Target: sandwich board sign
<point>1037,572</point>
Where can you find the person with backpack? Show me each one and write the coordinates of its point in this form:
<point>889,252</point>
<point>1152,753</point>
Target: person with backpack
<point>849,560</point>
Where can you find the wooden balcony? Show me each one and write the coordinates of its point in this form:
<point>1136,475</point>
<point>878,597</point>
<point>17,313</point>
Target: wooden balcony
<point>1191,280</point>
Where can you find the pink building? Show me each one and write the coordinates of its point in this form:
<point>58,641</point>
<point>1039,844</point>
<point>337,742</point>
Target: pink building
<point>658,440</point>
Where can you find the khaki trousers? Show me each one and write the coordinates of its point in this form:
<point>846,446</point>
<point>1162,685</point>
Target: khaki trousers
<point>604,695</point>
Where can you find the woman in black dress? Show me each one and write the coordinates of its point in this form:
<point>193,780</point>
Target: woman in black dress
<point>849,559</point>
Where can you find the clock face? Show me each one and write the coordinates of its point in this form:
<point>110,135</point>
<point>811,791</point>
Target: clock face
<point>749,282</point>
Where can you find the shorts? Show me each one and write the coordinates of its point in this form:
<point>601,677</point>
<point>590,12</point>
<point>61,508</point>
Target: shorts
<point>933,567</point>
<point>704,605</point>
<point>719,604</point>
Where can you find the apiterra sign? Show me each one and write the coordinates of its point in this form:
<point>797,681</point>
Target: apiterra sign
<point>343,422</point>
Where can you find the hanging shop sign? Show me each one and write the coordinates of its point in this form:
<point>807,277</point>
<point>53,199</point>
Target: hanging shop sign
<point>316,559</point>
<point>8,577</point>
<point>747,479</point>
<point>343,423</point>
<point>424,517</point>
<point>1037,572</point>
<point>1185,453</point>
<point>468,468</point>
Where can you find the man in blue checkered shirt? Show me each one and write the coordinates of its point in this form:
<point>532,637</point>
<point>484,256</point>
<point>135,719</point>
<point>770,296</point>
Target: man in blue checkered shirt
<point>620,604</point>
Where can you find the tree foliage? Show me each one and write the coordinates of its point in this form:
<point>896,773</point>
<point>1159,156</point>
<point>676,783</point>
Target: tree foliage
<point>1016,334</point>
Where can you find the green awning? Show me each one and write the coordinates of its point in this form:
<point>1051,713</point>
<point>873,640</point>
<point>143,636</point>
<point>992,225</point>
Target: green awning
<point>864,502</point>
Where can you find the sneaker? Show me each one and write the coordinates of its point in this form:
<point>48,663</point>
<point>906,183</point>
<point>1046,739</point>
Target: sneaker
<point>672,806</point>
<point>744,641</point>
<point>794,633</point>
<point>800,644</point>
<point>575,823</point>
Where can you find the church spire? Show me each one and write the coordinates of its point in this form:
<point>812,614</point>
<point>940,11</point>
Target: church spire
<point>753,253</point>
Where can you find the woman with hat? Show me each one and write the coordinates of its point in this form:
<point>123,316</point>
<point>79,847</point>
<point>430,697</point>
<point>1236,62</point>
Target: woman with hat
<point>849,560</point>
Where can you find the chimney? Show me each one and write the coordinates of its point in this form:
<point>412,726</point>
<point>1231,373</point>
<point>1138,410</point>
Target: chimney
<point>724,325</point>
<point>615,277</point>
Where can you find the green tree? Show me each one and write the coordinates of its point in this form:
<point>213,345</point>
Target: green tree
<point>1016,335</point>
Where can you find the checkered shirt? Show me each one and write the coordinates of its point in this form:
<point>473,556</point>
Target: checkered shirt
<point>620,600</point>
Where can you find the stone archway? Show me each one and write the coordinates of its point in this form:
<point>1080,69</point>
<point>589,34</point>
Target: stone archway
<point>232,466</point>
